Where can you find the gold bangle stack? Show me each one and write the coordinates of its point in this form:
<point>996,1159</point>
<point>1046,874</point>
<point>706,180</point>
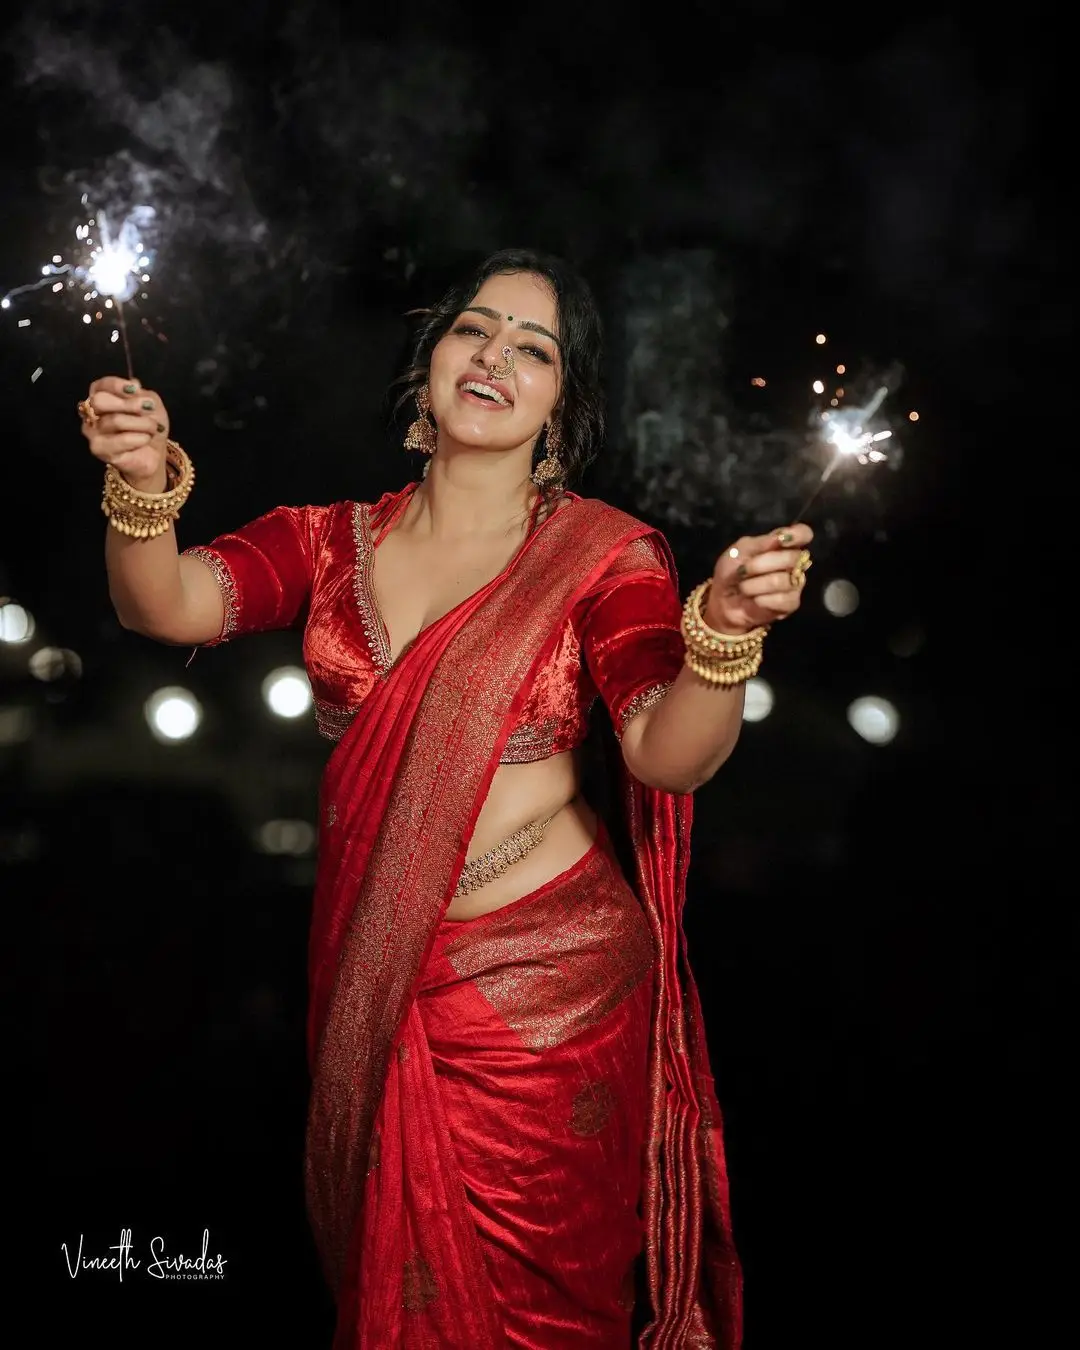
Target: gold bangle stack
<point>144,515</point>
<point>720,658</point>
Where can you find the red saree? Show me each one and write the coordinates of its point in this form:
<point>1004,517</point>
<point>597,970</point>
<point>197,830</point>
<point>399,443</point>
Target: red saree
<point>396,1196</point>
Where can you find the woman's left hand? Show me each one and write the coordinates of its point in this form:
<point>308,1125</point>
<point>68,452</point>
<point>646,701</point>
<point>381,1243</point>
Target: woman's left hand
<point>759,579</point>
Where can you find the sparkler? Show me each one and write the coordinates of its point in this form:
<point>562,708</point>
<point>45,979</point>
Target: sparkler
<point>846,430</point>
<point>108,266</point>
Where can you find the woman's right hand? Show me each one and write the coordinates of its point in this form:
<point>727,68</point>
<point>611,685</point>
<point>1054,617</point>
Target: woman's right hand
<point>130,431</point>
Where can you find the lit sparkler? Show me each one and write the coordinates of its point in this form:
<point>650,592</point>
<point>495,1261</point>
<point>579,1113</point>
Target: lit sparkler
<point>109,266</point>
<point>848,432</point>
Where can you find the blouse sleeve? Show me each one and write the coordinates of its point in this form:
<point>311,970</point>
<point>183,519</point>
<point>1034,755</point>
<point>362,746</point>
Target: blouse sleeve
<point>264,570</point>
<point>630,634</point>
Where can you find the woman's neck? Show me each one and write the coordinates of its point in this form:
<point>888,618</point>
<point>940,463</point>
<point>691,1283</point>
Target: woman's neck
<point>457,502</point>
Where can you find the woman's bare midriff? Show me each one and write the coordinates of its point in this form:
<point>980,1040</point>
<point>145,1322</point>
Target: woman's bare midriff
<point>521,793</point>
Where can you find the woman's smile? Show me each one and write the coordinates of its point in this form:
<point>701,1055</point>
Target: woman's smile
<point>486,394</point>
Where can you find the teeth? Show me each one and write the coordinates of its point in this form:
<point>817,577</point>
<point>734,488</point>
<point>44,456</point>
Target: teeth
<point>474,387</point>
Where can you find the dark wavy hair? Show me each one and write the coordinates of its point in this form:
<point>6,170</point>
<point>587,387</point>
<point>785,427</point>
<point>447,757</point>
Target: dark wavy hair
<point>581,402</point>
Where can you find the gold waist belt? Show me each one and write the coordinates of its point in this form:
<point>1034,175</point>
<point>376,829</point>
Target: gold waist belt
<point>479,871</point>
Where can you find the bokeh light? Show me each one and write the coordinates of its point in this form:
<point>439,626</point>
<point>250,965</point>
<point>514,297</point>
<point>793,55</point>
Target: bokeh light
<point>16,624</point>
<point>173,714</point>
<point>840,598</point>
<point>286,692</point>
<point>908,640</point>
<point>292,838</point>
<point>16,725</point>
<point>54,663</point>
<point>875,719</point>
<point>759,700</point>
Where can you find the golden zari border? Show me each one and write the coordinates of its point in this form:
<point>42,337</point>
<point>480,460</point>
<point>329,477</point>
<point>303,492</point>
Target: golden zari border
<point>562,963</point>
<point>226,583</point>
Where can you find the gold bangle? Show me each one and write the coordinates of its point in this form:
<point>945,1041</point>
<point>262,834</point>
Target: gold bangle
<point>144,515</point>
<point>706,641</point>
<point>724,659</point>
<point>724,673</point>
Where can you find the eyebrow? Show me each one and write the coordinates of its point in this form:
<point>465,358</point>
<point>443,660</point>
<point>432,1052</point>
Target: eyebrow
<point>525,323</point>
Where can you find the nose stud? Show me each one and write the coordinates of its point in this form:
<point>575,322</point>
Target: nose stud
<point>497,372</point>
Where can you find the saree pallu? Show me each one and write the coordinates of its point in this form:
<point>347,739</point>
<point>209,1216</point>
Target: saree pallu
<point>400,798</point>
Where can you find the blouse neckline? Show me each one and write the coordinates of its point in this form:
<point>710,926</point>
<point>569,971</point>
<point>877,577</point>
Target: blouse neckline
<point>404,497</point>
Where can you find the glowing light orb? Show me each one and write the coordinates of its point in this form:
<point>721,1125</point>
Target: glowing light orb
<point>286,692</point>
<point>16,624</point>
<point>759,700</point>
<point>173,714</point>
<point>875,719</point>
<point>841,598</point>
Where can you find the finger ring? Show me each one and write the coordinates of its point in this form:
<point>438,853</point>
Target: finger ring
<point>733,552</point>
<point>87,412</point>
<point>799,571</point>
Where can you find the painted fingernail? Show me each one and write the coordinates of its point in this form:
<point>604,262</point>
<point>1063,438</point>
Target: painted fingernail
<point>740,571</point>
<point>733,552</point>
<point>785,537</point>
<point>161,428</point>
<point>148,405</point>
<point>131,388</point>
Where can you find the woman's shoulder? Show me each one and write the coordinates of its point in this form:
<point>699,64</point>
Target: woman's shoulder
<point>645,544</point>
<point>608,510</point>
<point>345,511</point>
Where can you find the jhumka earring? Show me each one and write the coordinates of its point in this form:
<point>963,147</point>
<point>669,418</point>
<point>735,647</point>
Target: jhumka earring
<point>549,472</point>
<point>421,434</point>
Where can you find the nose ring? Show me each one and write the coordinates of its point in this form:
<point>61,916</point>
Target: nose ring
<point>497,372</point>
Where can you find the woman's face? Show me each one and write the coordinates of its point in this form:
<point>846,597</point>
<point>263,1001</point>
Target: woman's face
<point>515,310</point>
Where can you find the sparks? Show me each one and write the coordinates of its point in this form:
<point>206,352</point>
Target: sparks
<point>847,430</point>
<point>852,436</point>
<point>106,263</point>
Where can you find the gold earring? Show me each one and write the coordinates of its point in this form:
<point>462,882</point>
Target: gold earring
<point>549,472</point>
<point>421,435</point>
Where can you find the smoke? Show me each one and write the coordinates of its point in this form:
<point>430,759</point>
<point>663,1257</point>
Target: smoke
<point>695,458</point>
<point>267,196</point>
<point>174,130</point>
<point>330,163</point>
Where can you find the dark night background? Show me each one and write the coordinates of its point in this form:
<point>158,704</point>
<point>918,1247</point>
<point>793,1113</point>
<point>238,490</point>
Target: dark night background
<point>882,934</point>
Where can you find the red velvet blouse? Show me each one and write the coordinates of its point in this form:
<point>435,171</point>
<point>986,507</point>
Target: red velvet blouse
<point>622,641</point>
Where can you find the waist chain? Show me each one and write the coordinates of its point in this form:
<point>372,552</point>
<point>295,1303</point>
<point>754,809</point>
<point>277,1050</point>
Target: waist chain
<point>479,871</point>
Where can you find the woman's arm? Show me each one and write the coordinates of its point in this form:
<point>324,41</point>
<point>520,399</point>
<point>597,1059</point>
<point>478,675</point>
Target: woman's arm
<point>153,591</point>
<point>680,742</point>
<point>687,725</point>
<point>160,594</point>
<point>255,579</point>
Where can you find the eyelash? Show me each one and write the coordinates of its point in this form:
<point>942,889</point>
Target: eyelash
<point>540,354</point>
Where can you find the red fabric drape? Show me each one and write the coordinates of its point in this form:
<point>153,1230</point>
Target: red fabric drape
<point>400,797</point>
<point>519,1084</point>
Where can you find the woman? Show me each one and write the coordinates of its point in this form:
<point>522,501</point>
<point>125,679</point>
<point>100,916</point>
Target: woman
<point>511,1095</point>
